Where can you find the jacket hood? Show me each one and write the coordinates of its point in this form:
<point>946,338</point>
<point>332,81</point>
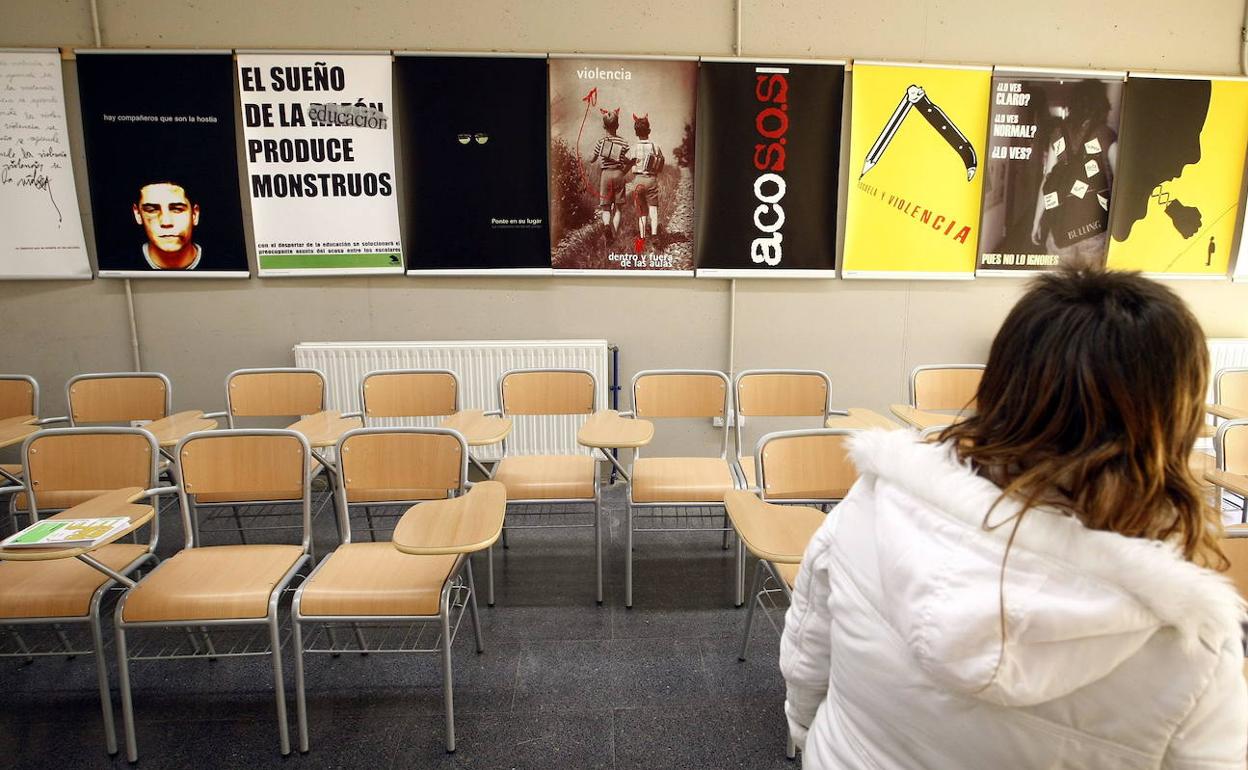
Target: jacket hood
<point>1077,602</point>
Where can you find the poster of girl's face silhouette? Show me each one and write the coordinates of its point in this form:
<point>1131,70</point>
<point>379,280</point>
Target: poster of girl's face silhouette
<point>1050,171</point>
<point>1181,171</point>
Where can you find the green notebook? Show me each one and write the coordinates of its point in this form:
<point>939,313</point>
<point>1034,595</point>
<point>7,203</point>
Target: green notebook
<point>75,533</point>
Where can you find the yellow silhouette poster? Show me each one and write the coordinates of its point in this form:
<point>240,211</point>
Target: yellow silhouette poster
<point>917,136</point>
<point>1181,166</point>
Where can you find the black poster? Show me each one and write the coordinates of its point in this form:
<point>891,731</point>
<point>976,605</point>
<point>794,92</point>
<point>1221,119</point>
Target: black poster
<point>473,132</point>
<point>768,163</point>
<point>1048,176</point>
<point>162,163</point>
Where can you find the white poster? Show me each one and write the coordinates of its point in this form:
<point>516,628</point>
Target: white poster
<point>40,227</point>
<point>318,135</point>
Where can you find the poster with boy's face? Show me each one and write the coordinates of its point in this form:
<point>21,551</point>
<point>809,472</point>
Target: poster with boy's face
<point>162,164</point>
<point>621,165</point>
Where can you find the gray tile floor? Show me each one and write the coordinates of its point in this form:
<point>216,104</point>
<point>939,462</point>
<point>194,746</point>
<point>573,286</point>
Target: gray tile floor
<point>562,682</point>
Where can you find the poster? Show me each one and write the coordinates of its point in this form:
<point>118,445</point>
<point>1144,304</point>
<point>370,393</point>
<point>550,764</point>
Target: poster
<point>1181,166</point>
<point>474,163</point>
<point>768,158</point>
<point>622,165</point>
<point>318,136</point>
<point>40,226</point>
<point>1049,170</point>
<point>162,163</point>
<point>917,136</point>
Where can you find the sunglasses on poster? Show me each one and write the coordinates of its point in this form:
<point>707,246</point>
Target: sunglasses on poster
<point>479,138</point>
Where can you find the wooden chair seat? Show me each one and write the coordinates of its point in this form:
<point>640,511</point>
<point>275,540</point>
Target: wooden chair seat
<point>777,533</point>
<point>212,583</point>
<point>15,470</point>
<point>547,477</point>
<point>387,495</point>
<point>787,573</point>
<point>59,588</point>
<point>376,579</point>
<point>681,480</point>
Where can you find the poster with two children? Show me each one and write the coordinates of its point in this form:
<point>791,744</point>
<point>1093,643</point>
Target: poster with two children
<point>621,164</point>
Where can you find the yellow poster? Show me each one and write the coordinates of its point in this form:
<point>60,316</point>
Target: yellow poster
<point>1180,170</point>
<point>917,136</point>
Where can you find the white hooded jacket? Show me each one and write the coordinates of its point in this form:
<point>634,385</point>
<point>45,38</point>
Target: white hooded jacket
<point>1118,654</point>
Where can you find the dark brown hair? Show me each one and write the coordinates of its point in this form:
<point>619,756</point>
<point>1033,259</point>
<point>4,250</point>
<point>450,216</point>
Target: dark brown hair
<point>1090,403</point>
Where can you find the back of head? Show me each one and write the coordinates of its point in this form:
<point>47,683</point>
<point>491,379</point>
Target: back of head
<point>1090,402</point>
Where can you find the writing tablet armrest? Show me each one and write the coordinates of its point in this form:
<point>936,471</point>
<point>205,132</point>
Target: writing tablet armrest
<point>464,524</point>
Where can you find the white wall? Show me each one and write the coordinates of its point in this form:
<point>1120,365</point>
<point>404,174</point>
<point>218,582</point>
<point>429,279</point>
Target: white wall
<point>866,334</point>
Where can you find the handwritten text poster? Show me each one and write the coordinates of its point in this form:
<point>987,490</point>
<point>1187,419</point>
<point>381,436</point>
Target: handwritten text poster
<point>40,228</point>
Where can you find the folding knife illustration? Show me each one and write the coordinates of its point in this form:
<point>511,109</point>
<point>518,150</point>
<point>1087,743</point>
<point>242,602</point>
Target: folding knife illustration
<point>916,96</point>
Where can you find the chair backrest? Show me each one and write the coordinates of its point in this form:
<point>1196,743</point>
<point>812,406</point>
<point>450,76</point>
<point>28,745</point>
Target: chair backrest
<point>67,466</point>
<point>118,397</point>
<point>807,465</point>
<point>781,393</point>
<point>19,396</point>
<point>547,391</point>
<point>1235,546</point>
<point>660,393</point>
<point>399,465</point>
<point>409,393</point>
<point>1230,387</point>
<point>283,392</point>
<point>1230,446</point>
<point>946,386</point>
<point>244,465</point>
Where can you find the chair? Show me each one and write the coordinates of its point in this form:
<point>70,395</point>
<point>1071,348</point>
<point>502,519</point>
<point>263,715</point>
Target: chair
<point>222,587</point>
<point>795,469</point>
<point>19,405</point>
<point>376,587</point>
<point>263,394</point>
<point>1230,445</point>
<point>678,482</point>
<point>114,397</point>
<point>70,591</point>
<point>392,395</point>
<point>777,393</point>
<point>1230,388</point>
<point>549,480</point>
<point>945,386</point>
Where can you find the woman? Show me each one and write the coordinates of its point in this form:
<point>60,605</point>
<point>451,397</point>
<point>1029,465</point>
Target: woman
<point>1034,590</point>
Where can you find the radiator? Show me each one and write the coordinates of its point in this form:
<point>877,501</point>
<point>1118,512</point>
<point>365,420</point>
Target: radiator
<point>1223,354</point>
<point>478,364</point>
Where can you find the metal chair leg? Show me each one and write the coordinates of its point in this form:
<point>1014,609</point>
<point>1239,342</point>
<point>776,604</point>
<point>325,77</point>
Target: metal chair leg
<point>727,531</point>
<point>301,701</point>
<point>749,613</point>
<point>279,686</point>
<point>506,546</point>
<point>472,606</point>
<point>598,540</point>
<point>101,673</point>
<point>489,568</point>
<point>123,686</point>
<point>447,693</point>
<point>739,573</point>
<point>628,561</point>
